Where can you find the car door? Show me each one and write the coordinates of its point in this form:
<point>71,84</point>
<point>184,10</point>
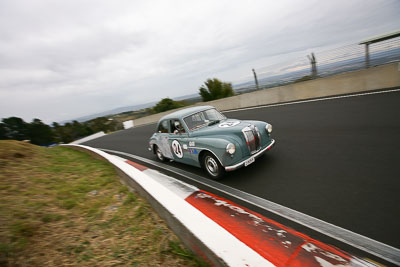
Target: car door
<point>177,140</point>
<point>162,138</point>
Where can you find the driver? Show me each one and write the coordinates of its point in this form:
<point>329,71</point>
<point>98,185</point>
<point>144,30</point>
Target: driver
<point>178,127</point>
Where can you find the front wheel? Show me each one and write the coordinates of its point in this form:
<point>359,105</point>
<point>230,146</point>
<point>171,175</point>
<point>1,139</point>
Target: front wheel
<point>159,154</point>
<point>212,166</point>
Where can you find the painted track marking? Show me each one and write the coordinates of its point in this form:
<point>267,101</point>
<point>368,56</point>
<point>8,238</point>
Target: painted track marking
<point>358,241</point>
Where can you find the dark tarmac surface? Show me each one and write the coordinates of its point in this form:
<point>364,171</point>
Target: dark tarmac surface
<point>337,160</point>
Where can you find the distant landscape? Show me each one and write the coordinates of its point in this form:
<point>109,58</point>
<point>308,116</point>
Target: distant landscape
<point>344,63</point>
<point>192,98</point>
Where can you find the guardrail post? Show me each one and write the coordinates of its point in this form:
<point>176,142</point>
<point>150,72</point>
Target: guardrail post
<point>313,62</point>
<point>366,55</point>
<point>255,78</point>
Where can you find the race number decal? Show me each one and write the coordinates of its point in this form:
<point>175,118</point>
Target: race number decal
<point>177,149</point>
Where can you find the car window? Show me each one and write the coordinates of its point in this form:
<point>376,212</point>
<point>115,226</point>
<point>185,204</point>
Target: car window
<point>213,114</point>
<point>163,127</point>
<point>203,118</point>
<point>195,121</point>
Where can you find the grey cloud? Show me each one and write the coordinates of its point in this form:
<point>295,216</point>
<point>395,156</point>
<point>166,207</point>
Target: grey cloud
<point>65,59</point>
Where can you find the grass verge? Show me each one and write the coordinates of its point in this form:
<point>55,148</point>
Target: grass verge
<point>62,207</point>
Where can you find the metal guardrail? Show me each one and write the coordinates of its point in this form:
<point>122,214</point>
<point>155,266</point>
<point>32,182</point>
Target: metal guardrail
<point>329,62</point>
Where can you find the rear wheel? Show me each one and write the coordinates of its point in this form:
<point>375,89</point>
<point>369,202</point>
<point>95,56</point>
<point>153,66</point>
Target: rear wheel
<point>212,166</point>
<point>159,154</point>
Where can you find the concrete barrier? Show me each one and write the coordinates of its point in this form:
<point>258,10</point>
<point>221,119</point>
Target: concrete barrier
<point>88,138</point>
<point>128,124</point>
<point>380,77</point>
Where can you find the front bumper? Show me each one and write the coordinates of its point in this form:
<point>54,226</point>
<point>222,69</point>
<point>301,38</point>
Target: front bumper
<point>259,153</point>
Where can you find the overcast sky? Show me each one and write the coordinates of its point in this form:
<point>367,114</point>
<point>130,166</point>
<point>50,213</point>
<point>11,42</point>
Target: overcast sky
<point>61,60</point>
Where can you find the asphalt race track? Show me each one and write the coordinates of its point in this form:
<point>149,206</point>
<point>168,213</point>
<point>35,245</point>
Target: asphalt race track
<point>337,160</point>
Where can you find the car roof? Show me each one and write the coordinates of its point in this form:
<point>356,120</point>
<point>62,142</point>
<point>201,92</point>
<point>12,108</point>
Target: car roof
<point>185,112</point>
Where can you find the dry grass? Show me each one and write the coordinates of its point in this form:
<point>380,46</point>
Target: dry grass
<point>60,207</point>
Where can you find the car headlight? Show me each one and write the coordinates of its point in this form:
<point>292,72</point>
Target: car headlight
<point>268,128</point>
<point>230,148</point>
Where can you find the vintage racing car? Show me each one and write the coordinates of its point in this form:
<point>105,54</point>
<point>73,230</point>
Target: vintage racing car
<point>203,137</point>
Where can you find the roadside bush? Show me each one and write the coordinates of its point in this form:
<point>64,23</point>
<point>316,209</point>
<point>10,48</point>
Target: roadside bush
<point>167,104</point>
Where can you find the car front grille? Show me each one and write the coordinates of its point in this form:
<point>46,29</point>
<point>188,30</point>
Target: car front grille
<point>252,136</point>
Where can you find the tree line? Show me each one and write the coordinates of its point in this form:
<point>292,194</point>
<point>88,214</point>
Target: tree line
<point>39,133</point>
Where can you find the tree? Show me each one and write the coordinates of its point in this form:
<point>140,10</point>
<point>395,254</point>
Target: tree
<point>67,134</point>
<point>58,132</point>
<point>99,124</point>
<point>215,89</point>
<point>104,124</point>
<point>167,104</point>
<point>3,131</point>
<point>15,128</point>
<point>40,133</point>
<point>80,130</point>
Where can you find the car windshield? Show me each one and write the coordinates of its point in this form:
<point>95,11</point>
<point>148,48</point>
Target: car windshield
<point>203,118</point>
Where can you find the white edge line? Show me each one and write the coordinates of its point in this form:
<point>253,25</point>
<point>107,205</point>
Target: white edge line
<point>318,225</point>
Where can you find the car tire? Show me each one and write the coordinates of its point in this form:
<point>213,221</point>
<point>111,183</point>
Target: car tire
<point>159,154</point>
<point>212,166</point>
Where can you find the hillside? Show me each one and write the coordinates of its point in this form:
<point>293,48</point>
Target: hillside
<point>61,207</point>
